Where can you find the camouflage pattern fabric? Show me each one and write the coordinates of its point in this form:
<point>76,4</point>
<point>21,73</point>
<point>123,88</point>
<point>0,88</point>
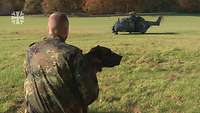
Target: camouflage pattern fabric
<point>57,78</point>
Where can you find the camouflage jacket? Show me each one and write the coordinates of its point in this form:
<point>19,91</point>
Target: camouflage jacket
<point>57,78</point>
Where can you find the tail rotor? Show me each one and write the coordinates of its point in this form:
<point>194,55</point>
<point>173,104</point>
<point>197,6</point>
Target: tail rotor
<point>159,20</point>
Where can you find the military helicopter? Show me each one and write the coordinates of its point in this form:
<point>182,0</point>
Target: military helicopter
<point>134,24</point>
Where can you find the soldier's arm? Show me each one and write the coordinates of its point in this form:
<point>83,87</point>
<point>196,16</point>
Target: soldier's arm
<point>25,68</point>
<point>27,59</point>
<point>26,63</point>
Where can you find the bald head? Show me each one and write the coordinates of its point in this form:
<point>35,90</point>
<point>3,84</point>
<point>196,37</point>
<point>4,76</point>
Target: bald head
<point>58,25</point>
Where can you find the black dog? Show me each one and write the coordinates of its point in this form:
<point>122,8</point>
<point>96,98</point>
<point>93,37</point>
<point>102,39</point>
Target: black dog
<point>98,58</point>
<point>104,57</point>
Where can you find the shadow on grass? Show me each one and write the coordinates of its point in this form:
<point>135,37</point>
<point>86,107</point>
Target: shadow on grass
<point>21,110</point>
<point>166,33</point>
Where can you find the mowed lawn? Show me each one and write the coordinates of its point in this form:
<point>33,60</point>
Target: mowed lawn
<point>159,73</point>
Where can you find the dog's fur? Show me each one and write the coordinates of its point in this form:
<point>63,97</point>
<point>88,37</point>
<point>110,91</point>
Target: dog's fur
<point>98,58</point>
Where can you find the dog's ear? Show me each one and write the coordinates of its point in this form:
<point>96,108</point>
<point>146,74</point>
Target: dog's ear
<point>94,60</point>
<point>95,52</point>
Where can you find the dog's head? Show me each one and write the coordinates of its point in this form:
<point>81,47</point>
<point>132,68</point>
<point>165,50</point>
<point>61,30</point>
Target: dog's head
<point>104,56</point>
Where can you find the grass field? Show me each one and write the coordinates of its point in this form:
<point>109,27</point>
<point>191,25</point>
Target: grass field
<point>159,73</point>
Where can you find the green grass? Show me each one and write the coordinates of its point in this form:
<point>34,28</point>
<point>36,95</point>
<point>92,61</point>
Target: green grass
<point>159,73</point>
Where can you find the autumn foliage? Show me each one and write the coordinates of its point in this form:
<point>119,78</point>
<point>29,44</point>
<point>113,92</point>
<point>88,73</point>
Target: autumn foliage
<point>157,5</point>
<point>98,6</point>
<point>109,6</point>
<point>190,5</point>
<point>33,6</point>
<point>7,6</point>
<point>112,6</point>
<point>50,6</point>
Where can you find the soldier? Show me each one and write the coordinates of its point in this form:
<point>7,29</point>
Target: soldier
<point>133,16</point>
<point>56,81</point>
<point>137,20</point>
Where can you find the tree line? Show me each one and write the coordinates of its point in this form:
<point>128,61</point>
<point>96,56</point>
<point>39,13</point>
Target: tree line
<point>98,6</point>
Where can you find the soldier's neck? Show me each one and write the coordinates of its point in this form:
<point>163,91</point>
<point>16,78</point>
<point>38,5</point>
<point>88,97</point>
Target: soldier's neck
<point>56,36</point>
